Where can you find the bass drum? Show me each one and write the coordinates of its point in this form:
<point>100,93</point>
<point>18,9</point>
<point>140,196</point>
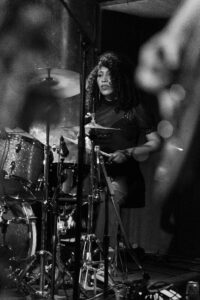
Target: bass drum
<point>18,236</point>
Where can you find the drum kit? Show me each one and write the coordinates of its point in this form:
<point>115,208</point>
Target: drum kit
<point>39,168</point>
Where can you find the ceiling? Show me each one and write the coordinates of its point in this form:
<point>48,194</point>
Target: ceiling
<point>147,8</point>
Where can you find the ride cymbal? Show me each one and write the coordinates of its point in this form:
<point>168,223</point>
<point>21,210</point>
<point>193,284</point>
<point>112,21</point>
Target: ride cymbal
<point>65,82</point>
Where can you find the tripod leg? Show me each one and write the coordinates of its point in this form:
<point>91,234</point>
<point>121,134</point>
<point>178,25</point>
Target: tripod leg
<point>111,193</point>
<point>124,235</point>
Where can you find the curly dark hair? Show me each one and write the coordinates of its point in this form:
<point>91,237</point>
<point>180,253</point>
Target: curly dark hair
<point>121,71</point>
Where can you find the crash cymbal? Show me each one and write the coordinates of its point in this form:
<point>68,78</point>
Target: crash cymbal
<point>65,82</point>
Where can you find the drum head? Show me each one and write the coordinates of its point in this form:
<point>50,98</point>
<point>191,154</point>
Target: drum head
<point>17,234</point>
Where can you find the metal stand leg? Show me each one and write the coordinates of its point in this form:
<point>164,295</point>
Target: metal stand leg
<point>90,267</point>
<point>88,270</point>
<point>111,195</point>
<point>41,292</point>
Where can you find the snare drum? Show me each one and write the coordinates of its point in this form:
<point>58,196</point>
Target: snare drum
<point>21,157</point>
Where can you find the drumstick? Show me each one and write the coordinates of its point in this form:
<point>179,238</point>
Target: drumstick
<point>105,154</point>
<point>71,140</point>
<point>76,142</point>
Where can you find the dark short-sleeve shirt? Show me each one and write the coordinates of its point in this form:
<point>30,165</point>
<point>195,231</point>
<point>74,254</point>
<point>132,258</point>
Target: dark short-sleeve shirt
<point>129,128</point>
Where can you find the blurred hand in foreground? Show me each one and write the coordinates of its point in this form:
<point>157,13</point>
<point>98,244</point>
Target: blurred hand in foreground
<point>24,42</point>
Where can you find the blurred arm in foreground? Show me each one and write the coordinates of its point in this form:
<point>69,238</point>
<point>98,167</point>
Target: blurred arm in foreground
<point>161,55</point>
<point>24,43</point>
<point>169,66</point>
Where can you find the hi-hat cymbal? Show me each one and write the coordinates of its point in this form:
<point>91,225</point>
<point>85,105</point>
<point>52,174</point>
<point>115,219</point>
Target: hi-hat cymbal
<point>90,126</point>
<point>65,82</point>
<point>93,125</point>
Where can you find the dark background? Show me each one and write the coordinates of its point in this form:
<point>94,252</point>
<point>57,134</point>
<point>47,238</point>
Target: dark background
<point>176,230</point>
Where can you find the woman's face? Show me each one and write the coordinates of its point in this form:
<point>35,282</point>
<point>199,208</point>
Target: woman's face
<point>104,81</point>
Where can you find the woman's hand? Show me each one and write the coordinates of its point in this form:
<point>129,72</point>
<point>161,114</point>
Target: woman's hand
<point>118,157</point>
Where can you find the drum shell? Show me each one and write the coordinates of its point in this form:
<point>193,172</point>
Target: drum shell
<point>69,178</point>
<point>20,234</point>
<point>21,157</point>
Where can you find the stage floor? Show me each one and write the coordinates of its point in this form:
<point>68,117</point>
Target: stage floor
<point>158,273</point>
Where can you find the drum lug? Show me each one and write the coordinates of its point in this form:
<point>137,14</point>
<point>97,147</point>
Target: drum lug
<point>12,166</point>
<point>18,148</point>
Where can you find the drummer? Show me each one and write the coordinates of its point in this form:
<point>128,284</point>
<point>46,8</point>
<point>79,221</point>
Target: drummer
<point>112,96</point>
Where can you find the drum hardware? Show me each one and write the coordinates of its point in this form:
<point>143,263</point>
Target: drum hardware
<point>26,274</point>
<point>55,82</point>
<point>44,206</point>
<point>85,43</point>
<point>39,268</point>
<point>88,271</point>
<point>89,267</point>
<point>63,152</point>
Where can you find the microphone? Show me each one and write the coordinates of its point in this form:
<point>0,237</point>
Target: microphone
<point>63,147</point>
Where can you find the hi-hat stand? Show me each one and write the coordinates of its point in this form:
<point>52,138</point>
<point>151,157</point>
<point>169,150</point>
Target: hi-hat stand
<point>95,269</point>
<point>88,268</point>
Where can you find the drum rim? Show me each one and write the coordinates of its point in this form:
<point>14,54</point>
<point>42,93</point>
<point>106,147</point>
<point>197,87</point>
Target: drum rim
<point>27,208</point>
<point>27,214</point>
<point>31,140</point>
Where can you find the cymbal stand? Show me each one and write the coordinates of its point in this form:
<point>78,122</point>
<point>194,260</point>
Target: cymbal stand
<point>42,252</point>
<point>85,42</point>
<point>55,221</point>
<point>106,222</point>
<point>62,153</point>
<point>90,267</point>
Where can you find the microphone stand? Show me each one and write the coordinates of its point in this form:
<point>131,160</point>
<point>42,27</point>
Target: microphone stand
<point>84,42</point>
<point>54,203</point>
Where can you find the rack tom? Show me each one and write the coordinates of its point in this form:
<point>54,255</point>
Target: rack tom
<point>21,157</point>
